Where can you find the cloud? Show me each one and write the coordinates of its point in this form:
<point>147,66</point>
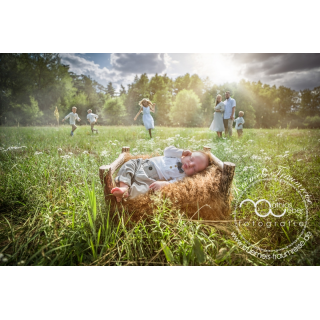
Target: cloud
<point>80,65</point>
<point>295,70</point>
<point>139,63</point>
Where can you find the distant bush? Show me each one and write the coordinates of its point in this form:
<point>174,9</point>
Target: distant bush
<point>312,122</point>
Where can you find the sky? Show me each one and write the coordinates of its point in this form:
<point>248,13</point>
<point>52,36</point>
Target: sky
<point>297,71</point>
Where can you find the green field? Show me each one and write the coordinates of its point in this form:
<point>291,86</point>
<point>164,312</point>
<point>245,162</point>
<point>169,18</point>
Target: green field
<point>52,210</point>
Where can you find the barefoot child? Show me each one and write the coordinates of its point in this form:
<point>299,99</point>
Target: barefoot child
<point>137,176</point>
<point>147,106</point>
<point>92,118</point>
<point>239,122</point>
<point>73,117</point>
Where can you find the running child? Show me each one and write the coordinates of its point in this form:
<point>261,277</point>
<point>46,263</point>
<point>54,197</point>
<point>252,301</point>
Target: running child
<point>73,117</point>
<point>92,118</point>
<point>146,107</point>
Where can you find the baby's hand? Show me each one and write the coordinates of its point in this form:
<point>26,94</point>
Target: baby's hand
<point>186,153</point>
<point>158,185</point>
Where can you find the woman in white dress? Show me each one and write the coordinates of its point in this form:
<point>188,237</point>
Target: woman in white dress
<point>217,123</point>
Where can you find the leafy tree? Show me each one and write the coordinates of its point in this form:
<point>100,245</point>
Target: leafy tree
<point>122,90</point>
<point>310,102</point>
<point>186,110</point>
<point>114,111</point>
<point>163,101</point>
<point>110,89</point>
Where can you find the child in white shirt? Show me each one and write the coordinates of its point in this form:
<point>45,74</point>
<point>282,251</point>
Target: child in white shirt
<point>239,123</point>
<point>73,117</point>
<point>137,176</point>
<point>92,118</point>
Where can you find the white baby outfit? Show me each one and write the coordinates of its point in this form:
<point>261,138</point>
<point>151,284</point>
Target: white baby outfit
<point>139,174</point>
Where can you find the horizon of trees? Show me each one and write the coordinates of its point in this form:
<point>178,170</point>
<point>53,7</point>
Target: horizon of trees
<point>33,85</point>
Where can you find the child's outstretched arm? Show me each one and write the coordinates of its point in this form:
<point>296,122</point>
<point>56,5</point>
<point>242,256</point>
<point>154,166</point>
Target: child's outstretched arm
<point>153,109</point>
<point>135,118</point>
<point>66,117</point>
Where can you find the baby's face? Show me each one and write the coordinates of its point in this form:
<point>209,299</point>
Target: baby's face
<point>194,163</point>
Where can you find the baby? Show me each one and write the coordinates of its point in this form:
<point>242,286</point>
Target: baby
<point>138,176</point>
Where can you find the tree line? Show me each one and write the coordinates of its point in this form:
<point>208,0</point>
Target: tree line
<point>32,86</point>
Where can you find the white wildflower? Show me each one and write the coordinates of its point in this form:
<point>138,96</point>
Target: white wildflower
<point>300,160</point>
<point>4,259</point>
<point>267,158</point>
<point>36,153</point>
<point>287,152</point>
<point>65,157</point>
<point>70,153</point>
<point>13,148</point>
<point>104,153</point>
<point>85,152</point>
<point>261,150</point>
<point>1,256</point>
<point>59,150</point>
<point>254,157</point>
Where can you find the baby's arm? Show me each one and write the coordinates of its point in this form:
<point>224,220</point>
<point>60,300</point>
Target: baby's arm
<point>173,152</point>
<point>157,185</point>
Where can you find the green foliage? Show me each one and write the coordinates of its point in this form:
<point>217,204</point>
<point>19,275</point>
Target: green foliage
<point>110,89</point>
<point>186,110</point>
<point>312,122</point>
<point>114,111</point>
<point>163,99</point>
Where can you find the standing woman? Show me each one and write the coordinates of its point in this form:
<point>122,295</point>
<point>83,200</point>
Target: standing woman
<point>217,123</point>
<point>147,106</point>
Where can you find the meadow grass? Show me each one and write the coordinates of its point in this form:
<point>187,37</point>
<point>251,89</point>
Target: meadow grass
<point>52,209</point>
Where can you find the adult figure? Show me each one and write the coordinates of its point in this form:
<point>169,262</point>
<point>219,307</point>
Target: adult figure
<point>217,123</point>
<point>229,112</point>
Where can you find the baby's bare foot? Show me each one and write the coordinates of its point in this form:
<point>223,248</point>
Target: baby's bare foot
<point>120,193</point>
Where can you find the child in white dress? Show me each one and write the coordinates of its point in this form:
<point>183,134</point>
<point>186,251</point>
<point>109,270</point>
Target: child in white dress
<point>137,176</point>
<point>73,117</point>
<point>239,123</point>
<point>146,107</point>
<point>92,118</point>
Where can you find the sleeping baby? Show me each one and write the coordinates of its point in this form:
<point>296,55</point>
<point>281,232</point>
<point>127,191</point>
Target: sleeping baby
<point>137,176</point>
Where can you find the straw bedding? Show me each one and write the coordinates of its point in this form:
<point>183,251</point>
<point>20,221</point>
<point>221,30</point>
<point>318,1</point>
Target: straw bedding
<point>197,196</point>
